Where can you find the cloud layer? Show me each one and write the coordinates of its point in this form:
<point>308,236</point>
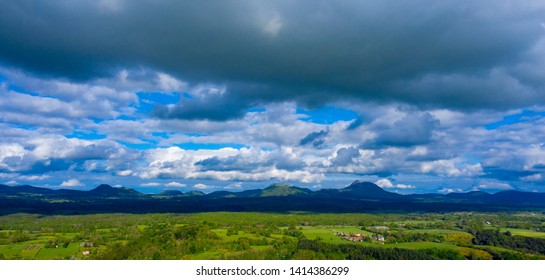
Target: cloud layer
<point>236,94</point>
<point>485,54</point>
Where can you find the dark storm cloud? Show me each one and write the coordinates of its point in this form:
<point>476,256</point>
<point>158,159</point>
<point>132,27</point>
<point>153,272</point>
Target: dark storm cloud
<point>215,108</point>
<point>279,160</point>
<point>316,138</point>
<point>410,131</point>
<point>450,54</point>
<point>345,156</point>
<point>228,164</point>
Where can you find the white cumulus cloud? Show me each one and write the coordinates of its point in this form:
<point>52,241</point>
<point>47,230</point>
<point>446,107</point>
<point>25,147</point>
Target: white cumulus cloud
<point>175,185</point>
<point>72,183</point>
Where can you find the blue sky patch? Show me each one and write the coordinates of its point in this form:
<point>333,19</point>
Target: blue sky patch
<point>164,135</point>
<point>127,118</point>
<point>19,89</point>
<point>328,114</point>
<point>524,116</point>
<point>148,100</point>
<point>86,135</point>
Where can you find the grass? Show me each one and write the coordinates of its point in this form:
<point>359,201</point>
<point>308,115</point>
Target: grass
<point>107,229</point>
<point>422,245</point>
<point>58,253</point>
<point>495,249</point>
<point>501,249</point>
<point>327,234</point>
<point>524,232</point>
<point>418,222</point>
<point>476,253</point>
<point>24,251</point>
<point>11,250</point>
<point>435,231</point>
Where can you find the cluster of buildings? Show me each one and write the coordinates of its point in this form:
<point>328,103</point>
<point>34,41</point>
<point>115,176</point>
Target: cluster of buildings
<point>359,237</point>
<point>86,244</point>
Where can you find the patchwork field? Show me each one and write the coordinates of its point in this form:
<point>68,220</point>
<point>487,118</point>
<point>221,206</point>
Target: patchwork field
<point>272,236</point>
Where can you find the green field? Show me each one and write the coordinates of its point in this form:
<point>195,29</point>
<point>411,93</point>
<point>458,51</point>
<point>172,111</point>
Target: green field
<point>327,234</point>
<point>58,253</point>
<point>433,231</point>
<point>224,235</point>
<point>524,232</point>
<point>20,251</point>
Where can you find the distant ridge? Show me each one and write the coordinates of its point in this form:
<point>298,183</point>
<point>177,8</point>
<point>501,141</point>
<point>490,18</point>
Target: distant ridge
<point>179,193</point>
<point>368,189</point>
<point>171,193</point>
<point>357,197</point>
<point>221,194</point>
<point>513,196</point>
<point>194,193</point>
<point>270,191</point>
<point>359,190</point>
<point>26,189</point>
<point>284,190</point>
<point>471,194</point>
<point>109,191</point>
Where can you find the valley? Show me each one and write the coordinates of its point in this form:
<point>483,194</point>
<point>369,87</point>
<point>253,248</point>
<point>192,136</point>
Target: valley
<point>284,236</point>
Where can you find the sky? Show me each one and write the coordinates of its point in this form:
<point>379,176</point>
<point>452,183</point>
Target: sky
<point>417,96</point>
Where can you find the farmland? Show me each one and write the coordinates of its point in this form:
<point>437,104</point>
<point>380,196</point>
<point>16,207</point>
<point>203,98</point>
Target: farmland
<point>228,235</point>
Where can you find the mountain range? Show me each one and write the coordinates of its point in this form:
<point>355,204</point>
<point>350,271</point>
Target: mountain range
<point>357,197</point>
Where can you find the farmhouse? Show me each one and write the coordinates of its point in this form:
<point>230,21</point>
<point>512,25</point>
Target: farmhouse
<point>351,237</point>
